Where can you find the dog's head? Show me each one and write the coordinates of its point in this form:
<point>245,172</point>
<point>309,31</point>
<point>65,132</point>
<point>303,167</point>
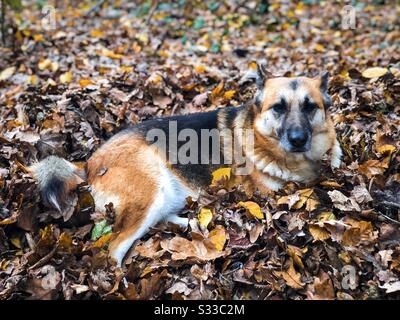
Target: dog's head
<point>291,109</point>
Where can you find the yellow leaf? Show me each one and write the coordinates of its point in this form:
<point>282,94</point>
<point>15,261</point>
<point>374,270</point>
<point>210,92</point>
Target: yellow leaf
<point>126,69</point>
<point>306,192</point>
<point>283,200</point>
<point>54,66</point>
<point>218,237</point>
<point>44,64</point>
<point>38,37</point>
<point>219,174</point>
<point>85,82</point>
<point>312,204</point>
<point>46,236</point>
<point>326,216</point>
<point>319,233</point>
<point>351,237</point>
<point>291,276</point>
<point>372,168</point>
<point>65,241</point>
<point>386,148</point>
<point>142,37</point>
<point>319,47</point>
<point>218,89</point>
<point>205,217</point>
<point>189,86</point>
<point>253,65</point>
<point>253,208</point>
<point>146,271</point>
<point>102,241</point>
<point>299,198</point>
<point>155,79</point>
<point>16,242</point>
<point>200,69</point>
<point>304,197</point>
<point>229,94</point>
<point>332,184</point>
<point>66,77</point>
<point>33,80</point>
<point>10,220</point>
<point>7,73</point>
<point>375,72</point>
<point>163,53</point>
<point>296,254</point>
<point>96,33</point>
<point>110,54</point>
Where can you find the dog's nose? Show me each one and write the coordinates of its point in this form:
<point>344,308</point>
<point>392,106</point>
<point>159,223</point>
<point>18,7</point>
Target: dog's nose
<point>297,137</point>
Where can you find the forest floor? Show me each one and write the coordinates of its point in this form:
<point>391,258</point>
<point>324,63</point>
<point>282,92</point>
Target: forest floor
<point>99,69</point>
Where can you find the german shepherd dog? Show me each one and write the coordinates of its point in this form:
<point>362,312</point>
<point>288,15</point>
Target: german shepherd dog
<point>291,132</point>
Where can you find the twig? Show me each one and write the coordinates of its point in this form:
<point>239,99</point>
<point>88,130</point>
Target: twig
<point>96,7</point>
<point>388,218</point>
<point>44,260</point>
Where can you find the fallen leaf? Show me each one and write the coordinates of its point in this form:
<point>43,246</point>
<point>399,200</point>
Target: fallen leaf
<point>205,216</point>
<point>218,237</point>
<point>319,233</point>
<point>342,202</point>
<point>222,173</point>
<point>375,72</point>
<point>253,208</point>
<point>7,73</point>
<point>291,276</point>
<point>83,82</point>
<point>66,77</point>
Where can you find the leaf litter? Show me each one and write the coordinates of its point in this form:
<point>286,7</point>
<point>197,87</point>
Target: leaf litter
<point>65,91</point>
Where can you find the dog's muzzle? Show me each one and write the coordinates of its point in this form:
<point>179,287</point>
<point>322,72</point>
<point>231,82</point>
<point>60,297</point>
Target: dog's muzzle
<point>297,139</point>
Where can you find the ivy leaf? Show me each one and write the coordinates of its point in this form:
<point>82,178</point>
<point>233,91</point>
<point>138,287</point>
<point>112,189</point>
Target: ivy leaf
<point>101,228</point>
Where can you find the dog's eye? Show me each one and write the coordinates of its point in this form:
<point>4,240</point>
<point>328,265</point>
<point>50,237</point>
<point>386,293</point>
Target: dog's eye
<point>279,108</point>
<point>309,107</point>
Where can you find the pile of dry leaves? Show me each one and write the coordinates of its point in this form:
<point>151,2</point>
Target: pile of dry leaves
<point>66,90</point>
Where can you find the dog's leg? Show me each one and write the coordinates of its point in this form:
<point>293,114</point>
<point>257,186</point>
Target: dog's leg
<point>123,242</point>
<point>336,155</point>
<point>133,229</point>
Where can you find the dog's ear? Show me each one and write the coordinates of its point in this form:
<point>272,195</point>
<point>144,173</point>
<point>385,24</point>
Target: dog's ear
<point>324,79</point>
<point>262,74</point>
<point>258,75</point>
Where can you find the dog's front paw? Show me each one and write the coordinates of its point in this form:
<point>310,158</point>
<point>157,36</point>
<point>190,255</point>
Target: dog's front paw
<point>336,155</point>
<point>335,163</point>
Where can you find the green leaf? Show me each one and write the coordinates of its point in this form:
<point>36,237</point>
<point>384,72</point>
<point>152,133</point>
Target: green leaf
<point>215,48</point>
<point>213,6</point>
<point>15,4</point>
<point>98,229</point>
<point>106,230</point>
<point>198,23</point>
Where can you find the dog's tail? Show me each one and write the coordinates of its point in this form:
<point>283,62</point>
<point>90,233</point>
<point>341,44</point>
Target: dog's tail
<point>56,177</point>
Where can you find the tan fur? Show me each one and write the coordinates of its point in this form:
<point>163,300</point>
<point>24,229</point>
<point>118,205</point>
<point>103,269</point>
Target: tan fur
<point>122,169</point>
<point>274,165</point>
<point>126,169</point>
